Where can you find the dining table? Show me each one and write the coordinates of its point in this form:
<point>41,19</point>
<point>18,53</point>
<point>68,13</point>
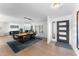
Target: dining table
<point>22,37</point>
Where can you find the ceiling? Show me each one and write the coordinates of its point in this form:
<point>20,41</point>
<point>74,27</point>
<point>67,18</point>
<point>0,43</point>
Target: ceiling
<point>35,11</point>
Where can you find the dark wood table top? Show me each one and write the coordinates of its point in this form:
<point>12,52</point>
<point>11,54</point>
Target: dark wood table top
<point>24,34</point>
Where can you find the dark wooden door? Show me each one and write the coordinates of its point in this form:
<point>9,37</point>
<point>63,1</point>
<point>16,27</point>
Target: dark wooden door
<point>63,31</point>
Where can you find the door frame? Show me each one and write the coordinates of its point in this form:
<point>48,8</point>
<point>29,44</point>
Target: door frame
<point>67,36</point>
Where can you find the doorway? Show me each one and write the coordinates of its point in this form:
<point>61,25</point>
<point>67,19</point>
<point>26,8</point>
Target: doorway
<point>63,31</point>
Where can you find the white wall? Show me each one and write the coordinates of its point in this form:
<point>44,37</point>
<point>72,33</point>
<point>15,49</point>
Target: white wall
<point>6,21</point>
<point>74,30</point>
<point>3,28</point>
<point>49,29</point>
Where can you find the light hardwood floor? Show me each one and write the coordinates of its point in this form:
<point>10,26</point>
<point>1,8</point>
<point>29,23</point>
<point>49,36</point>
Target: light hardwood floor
<point>40,48</point>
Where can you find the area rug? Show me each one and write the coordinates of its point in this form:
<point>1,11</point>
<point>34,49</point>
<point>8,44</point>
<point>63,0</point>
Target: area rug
<point>63,45</point>
<point>17,46</point>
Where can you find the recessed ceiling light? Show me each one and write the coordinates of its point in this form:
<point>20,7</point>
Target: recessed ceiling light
<point>55,5</point>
